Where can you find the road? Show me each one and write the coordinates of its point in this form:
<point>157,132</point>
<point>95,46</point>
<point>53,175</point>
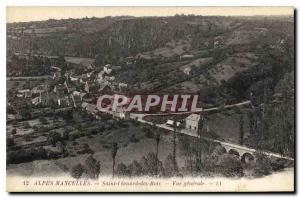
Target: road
<point>142,115</point>
<point>28,77</point>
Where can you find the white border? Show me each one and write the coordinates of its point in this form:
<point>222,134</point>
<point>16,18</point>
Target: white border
<point>5,3</point>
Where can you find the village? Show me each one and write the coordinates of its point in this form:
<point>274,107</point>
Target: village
<point>71,91</point>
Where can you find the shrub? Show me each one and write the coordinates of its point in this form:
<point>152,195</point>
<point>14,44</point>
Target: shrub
<point>122,170</point>
<point>85,149</point>
<point>26,125</point>
<point>107,146</point>
<point>218,150</point>
<point>229,165</point>
<point>123,124</point>
<point>66,135</point>
<point>27,138</point>
<point>10,142</point>
<point>92,167</point>
<point>43,120</point>
<point>28,155</point>
<point>43,129</point>
<point>77,171</point>
<point>133,139</point>
<point>262,165</point>
<point>135,169</point>
<point>149,134</point>
<point>53,138</point>
<point>14,131</point>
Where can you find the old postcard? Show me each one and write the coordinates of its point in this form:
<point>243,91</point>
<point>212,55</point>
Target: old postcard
<point>150,99</point>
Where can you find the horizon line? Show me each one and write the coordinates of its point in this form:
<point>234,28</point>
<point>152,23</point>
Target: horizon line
<point>23,14</point>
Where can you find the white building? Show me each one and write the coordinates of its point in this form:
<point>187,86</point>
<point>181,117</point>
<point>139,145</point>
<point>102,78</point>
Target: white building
<point>107,69</point>
<point>90,108</point>
<point>187,71</point>
<point>74,78</point>
<point>186,56</point>
<point>26,93</point>
<point>121,114</point>
<point>192,122</point>
<point>39,89</point>
<point>171,123</point>
<point>122,85</point>
<point>36,100</point>
<point>63,101</point>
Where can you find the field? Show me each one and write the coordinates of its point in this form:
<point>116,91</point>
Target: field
<point>226,125</point>
<point>129,149</point>
<point>80,61</point>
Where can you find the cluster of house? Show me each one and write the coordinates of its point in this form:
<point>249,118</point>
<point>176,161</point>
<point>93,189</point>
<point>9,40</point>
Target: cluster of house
<point>99,81</point>
<point>86,87</point>
<point>81,91</point>
<point>76,91</point>
<point>37,94</point>
<point>219,42</point>
<point>42,94</point>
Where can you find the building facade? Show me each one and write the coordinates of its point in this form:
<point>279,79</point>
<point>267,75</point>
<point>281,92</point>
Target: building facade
<point>192,123</point>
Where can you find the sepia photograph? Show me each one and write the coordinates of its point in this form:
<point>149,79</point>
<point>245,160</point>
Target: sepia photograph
<point>150,99</point>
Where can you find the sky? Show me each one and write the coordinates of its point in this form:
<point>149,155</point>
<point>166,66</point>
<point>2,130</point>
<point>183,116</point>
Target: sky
<point>35,13</point>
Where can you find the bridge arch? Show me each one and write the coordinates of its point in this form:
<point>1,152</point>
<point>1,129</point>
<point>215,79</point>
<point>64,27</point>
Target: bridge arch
<point>234,152</point>
<point>246,157</point>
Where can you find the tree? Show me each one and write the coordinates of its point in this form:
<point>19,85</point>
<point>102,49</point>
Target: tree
<point>113,154</point>
<point>24,109</point>
<point>77,171</point>
<point>157,140</point>
<point>188,151</point>
<point>279,119</point>
<point>10,141</point>
<point>92,167</point>
<point>272,116</point>
<point>200,126</point>
<point>65,135</point>
<point>174,143</point>
<point>171,169</point>
<point>62,148</point>
<point>149,165</point>
<point>241,128</point>
<point>199,144</point>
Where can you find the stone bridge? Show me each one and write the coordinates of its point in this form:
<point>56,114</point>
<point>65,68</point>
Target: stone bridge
<point>242,152</point>
<point>245,152</point>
